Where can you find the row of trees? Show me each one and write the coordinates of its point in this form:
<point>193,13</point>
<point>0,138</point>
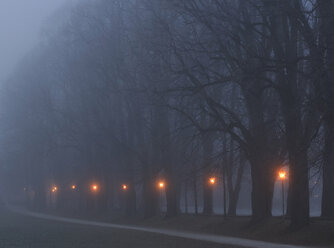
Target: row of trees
<point>131,91</point>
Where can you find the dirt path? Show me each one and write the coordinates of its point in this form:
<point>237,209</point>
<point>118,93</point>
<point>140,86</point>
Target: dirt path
<point>224,240</point>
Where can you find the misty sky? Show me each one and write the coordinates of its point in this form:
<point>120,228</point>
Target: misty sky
<point>20,25</point>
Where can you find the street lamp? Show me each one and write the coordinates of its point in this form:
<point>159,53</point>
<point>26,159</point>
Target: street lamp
<point>212,180</point>
<point>94,187</point>
<point>282,177</point>
<point>73,187</point>
<point>54,189</point>
<point>124,187</point>
<point>161,185</point>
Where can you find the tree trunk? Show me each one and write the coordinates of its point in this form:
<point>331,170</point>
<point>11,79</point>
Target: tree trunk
<point>299,183</point>
<point>130,201</point>
<point>327,208</point>
<point>326,9</point>
<point>171,196</point>
<point>150,195</point>
<point>262,188</point>
<point>186,197</point>
<point>298,175</point>
<point>150,200</point>
<point>207,148</point>
<point>234,192</point>
<point>195,191</point>
<point>207,196</point>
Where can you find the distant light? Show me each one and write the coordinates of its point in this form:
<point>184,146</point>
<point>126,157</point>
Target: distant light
<point>212,180</point>
<point>25,188</point>
<point>54,189</point>
<point>161,185</point>
<point>74,187</point>
<point>95,187</point>
<point>125,187</point>
<point>282,175</point>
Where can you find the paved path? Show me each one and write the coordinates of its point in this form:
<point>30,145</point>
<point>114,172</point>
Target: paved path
<point>224,240</point>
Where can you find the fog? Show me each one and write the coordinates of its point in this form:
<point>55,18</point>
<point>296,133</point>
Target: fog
<point>21,22</point>
<point>150,108</point>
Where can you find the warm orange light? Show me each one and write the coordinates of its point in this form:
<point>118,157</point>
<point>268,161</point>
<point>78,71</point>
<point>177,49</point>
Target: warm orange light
<point>125,187</point>
<point>161,185</point>
<point>95,187</point>
<point>212,180</point>
<point>54,189</point>
<point>74,187</point>
<point>282,175</point>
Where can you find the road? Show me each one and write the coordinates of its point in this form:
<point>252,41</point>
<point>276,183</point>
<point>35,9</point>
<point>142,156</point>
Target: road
<point>21,228</point>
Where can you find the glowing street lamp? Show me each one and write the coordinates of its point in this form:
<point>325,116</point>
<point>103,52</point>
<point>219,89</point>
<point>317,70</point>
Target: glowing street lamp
<point>282,176</point>
<point>73,187</point>
<point>161,185</point>
<point>212,180</point>
<point>124,187</point>
<point>54,189</point>
<point>94,187</point>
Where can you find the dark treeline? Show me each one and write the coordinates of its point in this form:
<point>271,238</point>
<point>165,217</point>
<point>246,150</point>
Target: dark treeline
<point>136,91</point>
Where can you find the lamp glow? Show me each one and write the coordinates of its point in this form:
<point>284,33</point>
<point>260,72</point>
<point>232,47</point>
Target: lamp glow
<point>282,175</point>
<point>161,185</point>
<point>212,180</point>
<point>95,187</point>
<point>54,189</point>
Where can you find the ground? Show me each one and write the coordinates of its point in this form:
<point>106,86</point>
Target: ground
<point>23,228</point>
<point>320,232</point>
<point>28,232</point>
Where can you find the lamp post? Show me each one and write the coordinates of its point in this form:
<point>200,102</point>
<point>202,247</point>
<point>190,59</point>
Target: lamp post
<point>224,192</point>
<point>282,177</point>
<point>161,186</point>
